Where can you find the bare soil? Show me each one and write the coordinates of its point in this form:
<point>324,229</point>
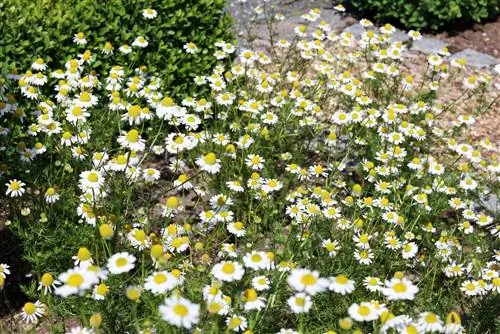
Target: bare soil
<point>482,37</point>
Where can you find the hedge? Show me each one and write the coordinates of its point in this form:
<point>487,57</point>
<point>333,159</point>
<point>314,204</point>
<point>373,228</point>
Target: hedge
<point>45,28</point>
<point>426,14</point>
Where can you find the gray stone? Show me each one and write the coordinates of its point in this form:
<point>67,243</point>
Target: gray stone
<point>476,59</point>
<point>355,29</point>
<point>428,45</point>
<point>399,36</point>
<point>491,203</point>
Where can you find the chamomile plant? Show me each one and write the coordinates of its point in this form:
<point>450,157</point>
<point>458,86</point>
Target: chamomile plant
<point>308,191</point>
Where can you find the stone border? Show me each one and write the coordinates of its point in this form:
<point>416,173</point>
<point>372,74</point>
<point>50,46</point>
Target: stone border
<point>242,11</point>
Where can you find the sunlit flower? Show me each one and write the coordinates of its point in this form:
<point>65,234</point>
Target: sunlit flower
<point>31,312</point>
<point>180,312</point>
<point>228,271</point>
<point>121,263</point>
<point>399,289</point>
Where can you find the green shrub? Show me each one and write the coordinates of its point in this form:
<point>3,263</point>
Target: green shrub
<point>427,14</point>
<point>45,28</point>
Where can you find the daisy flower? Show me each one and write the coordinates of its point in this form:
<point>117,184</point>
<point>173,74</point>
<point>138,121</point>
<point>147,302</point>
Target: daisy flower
<point>121,263</point>
<point>4,270</point>
<point>190,48</point>
<point>429,322</point>
<point>51,195</point>
<point>140,42</point>
<point>139,239</point>
<point>47,283</point>
<point>15,188</point>
<point>228,271</point>
<point>372,284</point>
<point>236,228</point>
<point>363,312</point>
<point>236,323</point>
<point>209,163</point>
<point>255,161</point>
<point>150,175</point>
<point>92,179</point>
<point>399,289</point>
<point>409,250</point>
<point>332,247</point>
<point>83,258</point>
<point>125,49</point>
<point>471,288</point>
<point>86,100</point>
<point>364,256</point>
<point>341,284</point>
<point>235,186</point>
<point>300,303</point>
<point>307,281</point>
<point>107,49</point>
<point>75,281</point>
<point>132,140</point>
<point>260,283</point>
<point>76,114</point>
<point>149,13</point>
<point>253,301</point>
<point>80,39</point>
<point>32,311</point>
<point>180,312</point>
<point>270,185</point>
<point>39,65</point>
<point>257,260</point>
<point>100,291</point>
<point>160,282</point>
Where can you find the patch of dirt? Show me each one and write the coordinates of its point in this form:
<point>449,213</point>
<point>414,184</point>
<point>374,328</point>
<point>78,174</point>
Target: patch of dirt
<point>482,37</point>
<point>487,125</point>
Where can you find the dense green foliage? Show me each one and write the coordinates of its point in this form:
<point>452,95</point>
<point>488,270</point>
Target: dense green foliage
<point>427,14</point>
<point>45,28</point>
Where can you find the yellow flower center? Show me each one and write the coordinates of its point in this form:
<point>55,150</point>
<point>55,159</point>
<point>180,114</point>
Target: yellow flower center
<point>228,268</point>
<point>29,308</point>
<point>181,310</point>
<point>121,159</point>
<point>77,111</point>
<point>85,97</point>
<point>399,287</point>
<point>341,279</point>
<point>121,262</point>
<point>47,280</point>
<point>210,159</point>
<point>308,279</point>
<point>75,280</point>
<point>134,111</point>
<point>83,254</point>
<point>160,278</point>
<point>133,136</point>
<point>172,202</point>
<point>93,177</point>
<point>140,235</point>
<point>364,310</point>
<point>299,301</point>
<point>102,289</point>
<point>431,318</point>
<point>256,258</point>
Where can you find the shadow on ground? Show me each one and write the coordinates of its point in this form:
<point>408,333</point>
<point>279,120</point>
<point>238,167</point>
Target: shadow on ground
<point>11,252</point>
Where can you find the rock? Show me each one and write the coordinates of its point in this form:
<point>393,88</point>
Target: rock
<point>428,45</point>
<point>333,18</point>
<point>399,36</point>
<point>355,29</point>
<point>491,203</point>
<point>476,59</point>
